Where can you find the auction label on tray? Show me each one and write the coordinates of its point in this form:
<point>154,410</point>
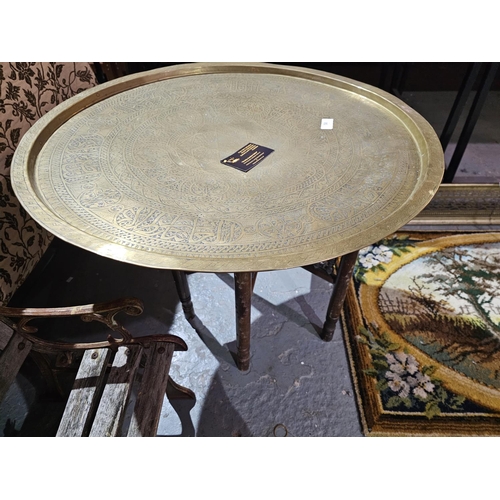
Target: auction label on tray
<point>247,157</point>
<point>327,124</point>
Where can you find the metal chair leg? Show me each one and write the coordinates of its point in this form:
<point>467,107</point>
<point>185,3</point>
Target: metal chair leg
<point>470,123</point>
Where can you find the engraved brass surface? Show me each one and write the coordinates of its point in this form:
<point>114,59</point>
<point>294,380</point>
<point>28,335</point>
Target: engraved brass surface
<point>132,168</point>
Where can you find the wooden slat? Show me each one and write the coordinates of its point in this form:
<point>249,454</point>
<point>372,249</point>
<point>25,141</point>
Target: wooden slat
<point>149,401</point>
<point>11,360</point>
<point>114,399</point>
<point>85,393</point>
<point>5,335</point>
<point>105,397</point>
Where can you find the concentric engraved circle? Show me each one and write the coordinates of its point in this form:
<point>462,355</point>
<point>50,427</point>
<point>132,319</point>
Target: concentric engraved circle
<point>132,169</point>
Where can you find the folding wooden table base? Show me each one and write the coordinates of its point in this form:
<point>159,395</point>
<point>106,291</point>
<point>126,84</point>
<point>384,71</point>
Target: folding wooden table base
<point>244,284</point>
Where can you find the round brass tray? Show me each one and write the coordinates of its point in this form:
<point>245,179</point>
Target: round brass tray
<point>132,170</point>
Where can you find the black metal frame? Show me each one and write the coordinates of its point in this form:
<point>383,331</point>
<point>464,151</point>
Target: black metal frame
<point>393,78</point>
<point>484,86</point>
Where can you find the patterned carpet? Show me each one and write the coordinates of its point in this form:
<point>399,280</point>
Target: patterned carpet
<point>422,328</point>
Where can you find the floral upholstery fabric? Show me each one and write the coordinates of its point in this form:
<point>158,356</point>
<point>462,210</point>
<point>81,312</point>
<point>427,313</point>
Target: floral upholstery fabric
<point>27,91</point>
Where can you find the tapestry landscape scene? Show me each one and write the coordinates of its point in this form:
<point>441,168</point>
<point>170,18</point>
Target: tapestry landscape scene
<point>423,333</point>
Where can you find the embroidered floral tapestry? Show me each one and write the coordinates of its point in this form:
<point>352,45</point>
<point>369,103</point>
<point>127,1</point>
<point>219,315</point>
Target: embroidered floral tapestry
<point>422,327</point>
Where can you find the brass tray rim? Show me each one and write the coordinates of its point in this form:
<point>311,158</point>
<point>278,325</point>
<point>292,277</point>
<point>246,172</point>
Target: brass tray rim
<point>33,141</point>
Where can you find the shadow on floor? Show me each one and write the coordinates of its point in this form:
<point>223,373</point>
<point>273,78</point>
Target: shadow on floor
<point>297,383</point>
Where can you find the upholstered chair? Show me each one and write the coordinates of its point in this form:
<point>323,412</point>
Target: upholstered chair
<point>27,91</point>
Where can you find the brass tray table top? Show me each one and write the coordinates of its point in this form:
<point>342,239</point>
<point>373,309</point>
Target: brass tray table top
<point>131,169</point>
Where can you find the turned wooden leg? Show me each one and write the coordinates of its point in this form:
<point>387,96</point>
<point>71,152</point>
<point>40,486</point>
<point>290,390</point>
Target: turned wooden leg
<point>344,275</point>
<point>182,286</point>
<point>243,300</point>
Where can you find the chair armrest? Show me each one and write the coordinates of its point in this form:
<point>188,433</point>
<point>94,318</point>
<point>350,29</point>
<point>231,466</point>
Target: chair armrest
<point>131,306</point>
<point>102,312</point>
